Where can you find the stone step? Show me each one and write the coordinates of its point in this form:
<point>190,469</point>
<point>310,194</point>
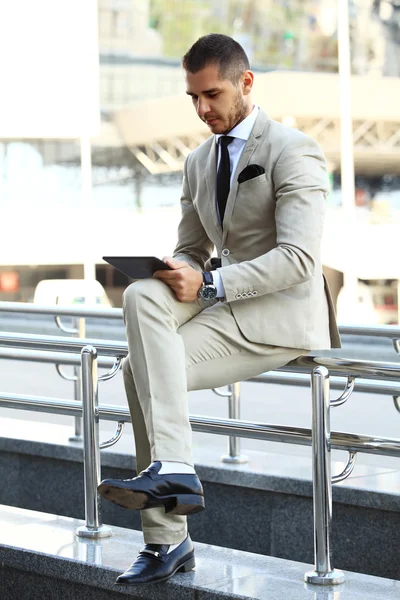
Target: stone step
<point>42,558</point>
<point>269,500</point>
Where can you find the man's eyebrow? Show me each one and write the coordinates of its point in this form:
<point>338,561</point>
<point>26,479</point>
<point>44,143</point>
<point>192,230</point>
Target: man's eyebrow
<point>211,91</point>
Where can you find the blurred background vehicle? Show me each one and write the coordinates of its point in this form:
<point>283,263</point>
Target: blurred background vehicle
<point>68,292</point>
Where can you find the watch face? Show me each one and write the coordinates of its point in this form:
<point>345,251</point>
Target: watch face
<point>208,292</point>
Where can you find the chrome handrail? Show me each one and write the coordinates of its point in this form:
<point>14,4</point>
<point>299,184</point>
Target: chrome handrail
<point>60,358</point>
<point>58,309</point>
<point>336,383</point>
<point>234,456</point>
<point>61,344</point>
<point>344,367</point>
<point>384,331</point>
<point>286,434</point>
<point>322,440</point>
<point>339,366</point>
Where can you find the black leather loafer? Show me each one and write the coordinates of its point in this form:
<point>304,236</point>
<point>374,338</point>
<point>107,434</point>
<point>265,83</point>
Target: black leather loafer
<point>154,564</point>
<point>180,494</point>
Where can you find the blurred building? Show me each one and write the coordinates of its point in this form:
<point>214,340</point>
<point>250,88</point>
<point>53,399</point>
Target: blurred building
<point>148,127</point>
<point>387,14</point>
<point>141,43</point>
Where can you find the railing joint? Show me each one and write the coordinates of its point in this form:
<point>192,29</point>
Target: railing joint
<point>350,383</point>
<point>60,325</point>
<point>347,471</point>
<point>116,437</point>
<point>64,376</point>
<point>114,370</point>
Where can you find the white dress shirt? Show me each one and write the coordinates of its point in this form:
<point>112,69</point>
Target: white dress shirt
<point>241,134</point>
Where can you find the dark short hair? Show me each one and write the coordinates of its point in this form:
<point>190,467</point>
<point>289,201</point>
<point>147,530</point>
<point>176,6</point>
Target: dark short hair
<point>219,50</point>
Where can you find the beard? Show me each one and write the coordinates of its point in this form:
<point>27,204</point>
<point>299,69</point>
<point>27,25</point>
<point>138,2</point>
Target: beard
<point>237,113</point>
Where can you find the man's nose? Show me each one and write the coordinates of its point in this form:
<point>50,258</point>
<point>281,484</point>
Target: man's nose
<point>203,107</point>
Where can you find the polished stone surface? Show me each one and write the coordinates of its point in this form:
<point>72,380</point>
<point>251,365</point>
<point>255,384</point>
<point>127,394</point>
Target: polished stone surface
<point>46,546</point>
<point>269,500</point>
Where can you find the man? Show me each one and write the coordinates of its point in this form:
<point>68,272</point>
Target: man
<point>254,192</point>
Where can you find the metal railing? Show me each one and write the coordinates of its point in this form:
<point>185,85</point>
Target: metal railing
<point>233,455</point>
<point>79,313</point>
<point>77,329</point>
<point>321,438</point>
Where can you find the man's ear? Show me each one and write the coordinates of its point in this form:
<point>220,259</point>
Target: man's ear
<point>247,82</point>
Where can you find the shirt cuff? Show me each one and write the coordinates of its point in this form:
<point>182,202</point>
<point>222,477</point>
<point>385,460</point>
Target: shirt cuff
<point>218,284</point>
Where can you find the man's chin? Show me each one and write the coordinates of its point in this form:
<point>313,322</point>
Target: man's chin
<point>216,127</point>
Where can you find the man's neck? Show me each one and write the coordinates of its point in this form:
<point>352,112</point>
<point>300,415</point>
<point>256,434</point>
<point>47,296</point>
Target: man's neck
<point>248,112</point>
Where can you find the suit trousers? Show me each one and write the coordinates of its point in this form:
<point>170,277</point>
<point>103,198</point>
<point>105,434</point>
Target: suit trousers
<point>176,347</point>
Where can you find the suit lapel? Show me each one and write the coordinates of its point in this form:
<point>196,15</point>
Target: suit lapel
<point>247,153</point>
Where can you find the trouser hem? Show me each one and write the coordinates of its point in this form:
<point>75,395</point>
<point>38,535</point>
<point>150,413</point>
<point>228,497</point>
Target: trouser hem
<point>164,536</point>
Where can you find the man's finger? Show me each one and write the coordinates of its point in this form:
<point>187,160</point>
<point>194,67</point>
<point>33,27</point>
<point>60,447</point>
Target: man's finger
<point>167,275</point>
<point>174,263</point>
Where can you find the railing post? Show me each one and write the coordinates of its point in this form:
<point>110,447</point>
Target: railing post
<point>89,551</point>
<point>79,325</point>
<point>322,481</point>
<point>91,447</point>
<point>234,456</point>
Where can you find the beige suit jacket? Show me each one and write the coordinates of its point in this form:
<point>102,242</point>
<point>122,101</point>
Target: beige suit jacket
<point>270,242</point>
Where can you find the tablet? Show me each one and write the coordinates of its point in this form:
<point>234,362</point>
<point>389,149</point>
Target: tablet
<point>137,267</point>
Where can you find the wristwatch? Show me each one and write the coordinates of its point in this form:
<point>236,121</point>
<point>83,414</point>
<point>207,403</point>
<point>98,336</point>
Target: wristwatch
<point>207,291</point>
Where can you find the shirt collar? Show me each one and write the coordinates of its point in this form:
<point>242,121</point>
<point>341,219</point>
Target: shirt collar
<point>243,129</point>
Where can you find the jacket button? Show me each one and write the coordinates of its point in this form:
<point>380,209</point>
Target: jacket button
<point>238,296</point>
<point>255,293</point>
<point>225,252</point>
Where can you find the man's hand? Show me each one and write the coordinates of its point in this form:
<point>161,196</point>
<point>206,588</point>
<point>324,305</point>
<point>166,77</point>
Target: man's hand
<point>184,281</point>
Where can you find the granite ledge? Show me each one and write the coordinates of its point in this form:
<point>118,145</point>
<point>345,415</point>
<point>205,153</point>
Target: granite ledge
<point>47,545</point>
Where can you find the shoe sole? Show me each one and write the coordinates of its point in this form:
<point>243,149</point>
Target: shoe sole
<point>188,565</point>
<point>182,504</point>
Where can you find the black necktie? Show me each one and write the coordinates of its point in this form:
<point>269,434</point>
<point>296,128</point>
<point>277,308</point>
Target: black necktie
<point>223,175</point>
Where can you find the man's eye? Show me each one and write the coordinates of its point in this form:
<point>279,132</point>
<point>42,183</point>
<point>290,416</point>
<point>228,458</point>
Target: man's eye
<point>213,95</point>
